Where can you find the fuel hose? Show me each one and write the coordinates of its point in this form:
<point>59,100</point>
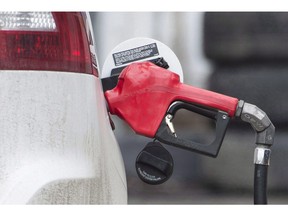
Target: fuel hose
<point>261,161</point>
<point>260,184</point>
<point>265,132</point>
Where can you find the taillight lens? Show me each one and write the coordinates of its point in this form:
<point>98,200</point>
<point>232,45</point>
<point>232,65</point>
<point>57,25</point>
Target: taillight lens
<point>44,41</point>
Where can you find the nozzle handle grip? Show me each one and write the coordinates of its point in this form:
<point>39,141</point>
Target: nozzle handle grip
<point>205,98</point>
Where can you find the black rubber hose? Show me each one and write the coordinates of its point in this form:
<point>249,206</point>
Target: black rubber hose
<point>260,184</point>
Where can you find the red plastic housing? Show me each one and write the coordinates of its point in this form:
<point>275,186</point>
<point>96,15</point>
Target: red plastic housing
<point>145,91</point>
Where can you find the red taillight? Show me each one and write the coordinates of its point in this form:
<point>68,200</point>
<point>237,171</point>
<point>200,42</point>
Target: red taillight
<point>41,42</point>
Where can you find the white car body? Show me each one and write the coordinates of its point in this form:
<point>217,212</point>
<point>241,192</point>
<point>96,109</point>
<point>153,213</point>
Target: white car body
<point>56,141</point>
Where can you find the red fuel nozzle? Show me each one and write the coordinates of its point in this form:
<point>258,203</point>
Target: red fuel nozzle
<point>145,92</point>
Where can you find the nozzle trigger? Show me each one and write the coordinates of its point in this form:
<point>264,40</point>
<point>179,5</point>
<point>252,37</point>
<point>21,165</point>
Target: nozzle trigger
<point>168,120</point>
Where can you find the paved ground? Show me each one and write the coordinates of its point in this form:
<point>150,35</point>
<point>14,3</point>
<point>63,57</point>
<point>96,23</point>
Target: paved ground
<point>194,195</point>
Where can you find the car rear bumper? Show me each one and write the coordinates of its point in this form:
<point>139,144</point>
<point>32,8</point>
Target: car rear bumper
<point>56,143</point>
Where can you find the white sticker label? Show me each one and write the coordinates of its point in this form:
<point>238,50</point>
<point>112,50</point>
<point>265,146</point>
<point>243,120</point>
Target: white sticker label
<point>135,54</point>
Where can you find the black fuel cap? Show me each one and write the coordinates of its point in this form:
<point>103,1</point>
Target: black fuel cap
<point>154,164</point>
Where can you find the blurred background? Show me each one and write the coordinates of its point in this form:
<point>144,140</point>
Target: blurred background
<point>239,54</point>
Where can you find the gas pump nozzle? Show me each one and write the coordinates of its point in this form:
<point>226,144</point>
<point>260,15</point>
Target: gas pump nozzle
<point>147,98</point>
